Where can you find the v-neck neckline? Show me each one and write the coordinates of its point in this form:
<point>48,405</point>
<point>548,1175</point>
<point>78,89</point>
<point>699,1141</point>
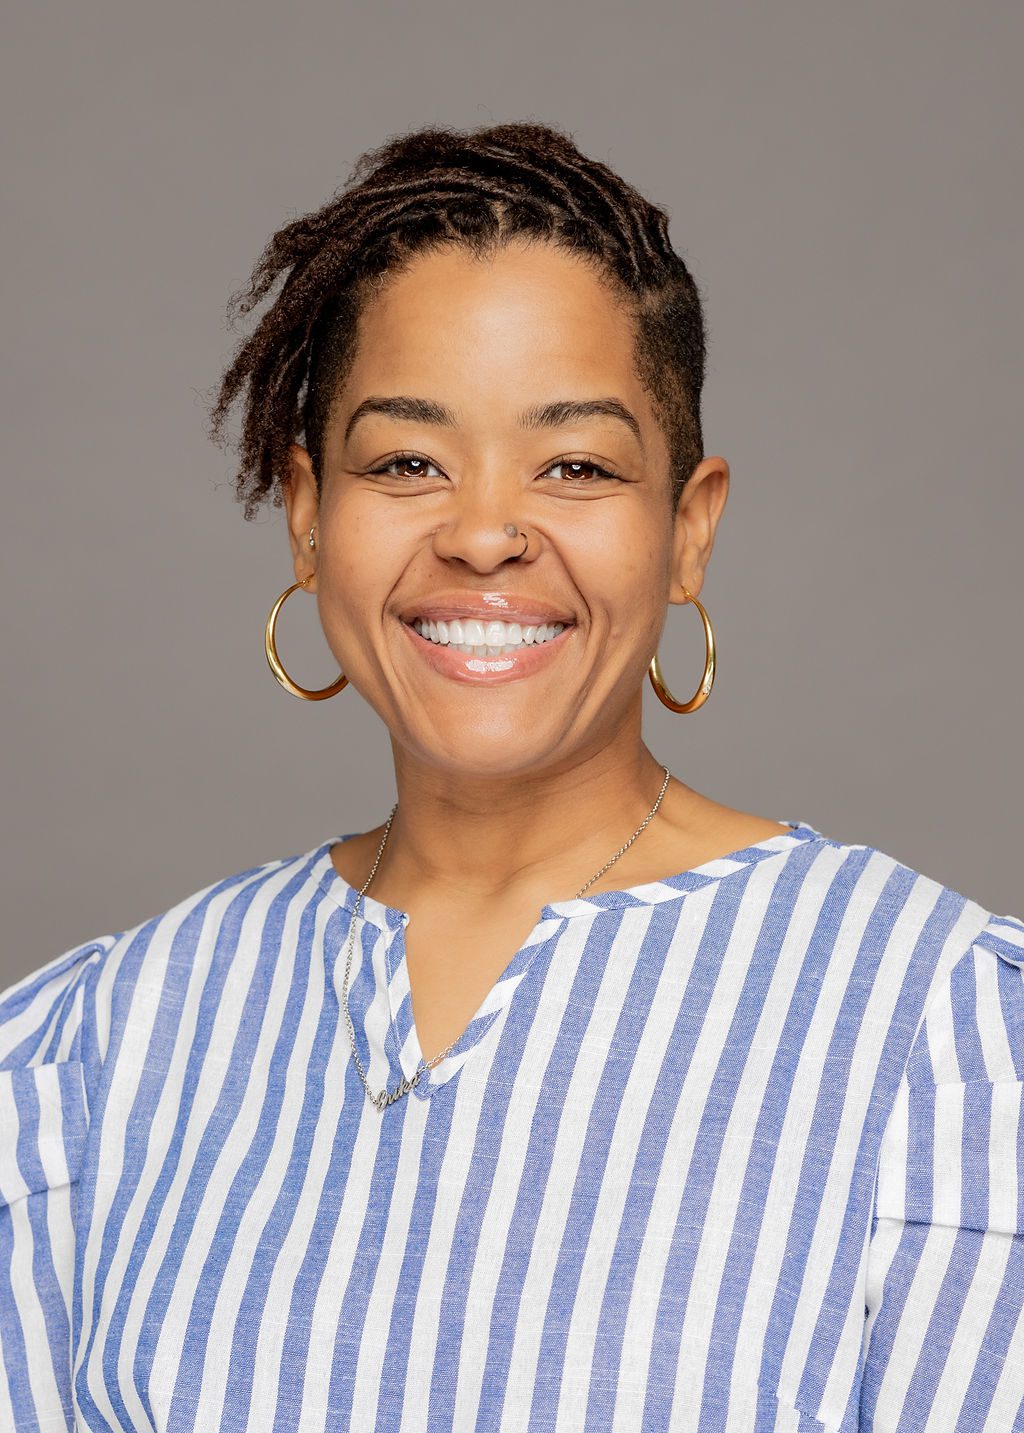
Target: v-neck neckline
<point>380,996</point>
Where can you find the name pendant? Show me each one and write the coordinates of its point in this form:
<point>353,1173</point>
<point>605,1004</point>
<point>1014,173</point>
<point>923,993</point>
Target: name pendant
<point>388,1097</point>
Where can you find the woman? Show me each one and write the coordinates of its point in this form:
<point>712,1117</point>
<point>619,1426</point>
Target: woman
<point>567,1097</point>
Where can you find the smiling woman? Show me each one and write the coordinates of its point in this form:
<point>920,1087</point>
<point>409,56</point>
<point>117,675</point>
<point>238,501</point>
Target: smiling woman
<point>567,1097</point>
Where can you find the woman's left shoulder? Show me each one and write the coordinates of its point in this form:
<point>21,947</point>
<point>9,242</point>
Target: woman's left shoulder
<point>966,952</point>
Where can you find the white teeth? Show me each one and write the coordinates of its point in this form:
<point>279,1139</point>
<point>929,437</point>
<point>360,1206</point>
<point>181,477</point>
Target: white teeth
<point>491,639</point>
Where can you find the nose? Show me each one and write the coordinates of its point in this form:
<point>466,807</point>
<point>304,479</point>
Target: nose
<point>484,535</point>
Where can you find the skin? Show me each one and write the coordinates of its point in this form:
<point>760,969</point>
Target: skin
<point>511,794</point>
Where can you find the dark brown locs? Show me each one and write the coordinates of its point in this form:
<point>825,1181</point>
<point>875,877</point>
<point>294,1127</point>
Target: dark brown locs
<point>434,186</point>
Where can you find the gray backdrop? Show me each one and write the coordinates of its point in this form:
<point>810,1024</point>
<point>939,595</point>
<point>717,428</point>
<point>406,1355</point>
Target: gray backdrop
<point>841,180</point>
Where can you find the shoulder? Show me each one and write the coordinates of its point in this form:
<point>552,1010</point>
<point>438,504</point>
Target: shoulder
<point>951,958</point>
<point>949,1154</point>
<point>972,1030</point>
<point>69,1008</point>
<point>123,1002</point>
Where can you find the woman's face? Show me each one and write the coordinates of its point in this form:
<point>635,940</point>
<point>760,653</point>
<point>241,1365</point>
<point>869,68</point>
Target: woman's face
<point>489,358</point>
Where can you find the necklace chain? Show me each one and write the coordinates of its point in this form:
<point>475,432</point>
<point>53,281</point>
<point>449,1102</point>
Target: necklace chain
<point>386,1097</point>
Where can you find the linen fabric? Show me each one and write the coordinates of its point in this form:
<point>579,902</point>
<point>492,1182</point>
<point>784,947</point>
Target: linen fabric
<point>741,1149</point>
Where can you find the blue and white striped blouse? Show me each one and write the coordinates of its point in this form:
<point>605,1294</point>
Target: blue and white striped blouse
<point>741,1149</point>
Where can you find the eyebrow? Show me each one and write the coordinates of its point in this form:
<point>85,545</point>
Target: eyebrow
<point>543,415</point>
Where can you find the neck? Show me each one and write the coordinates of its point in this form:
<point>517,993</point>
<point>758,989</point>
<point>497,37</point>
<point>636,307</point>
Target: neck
<point>549,830</point>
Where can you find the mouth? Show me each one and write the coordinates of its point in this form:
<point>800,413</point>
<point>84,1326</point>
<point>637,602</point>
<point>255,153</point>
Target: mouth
<point>474,636</point>
<point>486,650</point>
<point>491,638</point>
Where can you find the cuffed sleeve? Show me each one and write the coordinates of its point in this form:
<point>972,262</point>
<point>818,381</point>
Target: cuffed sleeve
<point>944,1333</point>
<point>43,1124</point>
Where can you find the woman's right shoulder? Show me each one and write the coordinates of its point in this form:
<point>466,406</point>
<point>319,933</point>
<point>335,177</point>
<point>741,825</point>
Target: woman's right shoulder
<point>67,1008</point>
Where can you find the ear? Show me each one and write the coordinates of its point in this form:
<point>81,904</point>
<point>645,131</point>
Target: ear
<point>302,506</point>
<point>695,523</point>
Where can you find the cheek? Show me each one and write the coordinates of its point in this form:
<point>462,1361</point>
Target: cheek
<point>623,571</point>
<point>362,560</point>
<point>355,580</point>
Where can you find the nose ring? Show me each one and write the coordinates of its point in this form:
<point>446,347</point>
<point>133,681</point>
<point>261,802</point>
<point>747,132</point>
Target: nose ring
<point>512,531</point>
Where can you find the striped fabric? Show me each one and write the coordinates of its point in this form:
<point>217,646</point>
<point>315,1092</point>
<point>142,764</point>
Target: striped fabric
<point>742,1149</point>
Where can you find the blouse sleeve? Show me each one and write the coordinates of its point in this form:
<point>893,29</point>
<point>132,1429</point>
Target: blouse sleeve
<point>944,1332</point>
<point>43,1123</point>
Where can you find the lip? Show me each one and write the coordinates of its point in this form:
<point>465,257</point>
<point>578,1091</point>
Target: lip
<point>459,666</point>
<point>486,606</point>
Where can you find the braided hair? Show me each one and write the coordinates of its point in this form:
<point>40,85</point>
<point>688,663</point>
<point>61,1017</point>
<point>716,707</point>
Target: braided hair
<point>436,186</point>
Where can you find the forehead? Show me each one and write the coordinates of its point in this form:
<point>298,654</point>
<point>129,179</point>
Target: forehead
<point>521,320</point>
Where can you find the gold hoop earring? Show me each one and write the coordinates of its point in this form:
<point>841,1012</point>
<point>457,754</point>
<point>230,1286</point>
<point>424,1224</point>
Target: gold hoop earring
<point>270,646</point>
<point>707,680</point>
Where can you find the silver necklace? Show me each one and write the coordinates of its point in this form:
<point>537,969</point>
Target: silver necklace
<point>386,1097</point>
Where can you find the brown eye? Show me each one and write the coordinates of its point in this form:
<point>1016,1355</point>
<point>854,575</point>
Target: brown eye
<point>415,464</point>
<point>580,470</point>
